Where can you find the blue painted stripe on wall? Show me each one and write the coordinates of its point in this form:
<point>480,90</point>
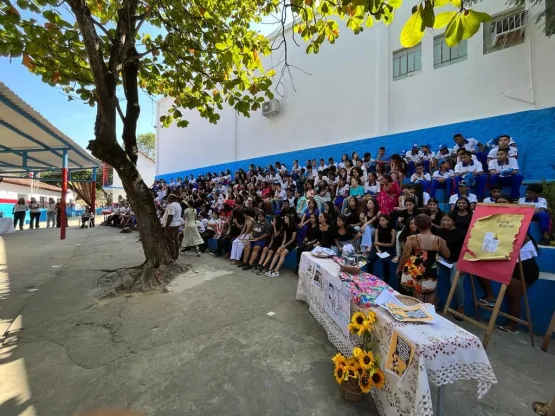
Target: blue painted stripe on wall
<point>533,132</point>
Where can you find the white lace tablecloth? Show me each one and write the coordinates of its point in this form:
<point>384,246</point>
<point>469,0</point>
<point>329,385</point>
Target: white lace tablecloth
<point>6,225</point>
<point>444,352</point>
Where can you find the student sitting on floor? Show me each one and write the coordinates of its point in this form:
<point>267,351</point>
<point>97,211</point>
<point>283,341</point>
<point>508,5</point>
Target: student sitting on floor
<point>541,214</point>
<point>504,171</point>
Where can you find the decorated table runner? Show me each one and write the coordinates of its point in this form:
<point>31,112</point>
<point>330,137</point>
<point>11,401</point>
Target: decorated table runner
<point>443,352</point>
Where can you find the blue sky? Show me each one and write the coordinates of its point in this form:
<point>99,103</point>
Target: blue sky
<point>74,118</point>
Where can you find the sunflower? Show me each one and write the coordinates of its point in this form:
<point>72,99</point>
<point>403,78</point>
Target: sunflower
<point>366,326</point>
<point>351,370</point>
<point>365,382</point>
<point>371,317</point>
<point>356,352</point>
<point>339,373</point>
<point>378,378</point>
<point>366,360</point>
<point>358,318</point>
<point>339,359</point>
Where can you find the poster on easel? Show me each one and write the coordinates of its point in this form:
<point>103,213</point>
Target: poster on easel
<point>493,241</point>
<point>490,251</point>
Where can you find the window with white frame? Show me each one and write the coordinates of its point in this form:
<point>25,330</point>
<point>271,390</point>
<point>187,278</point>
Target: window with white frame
<point>444,55</point>
<point>407,62</point>
<point>505,30</point>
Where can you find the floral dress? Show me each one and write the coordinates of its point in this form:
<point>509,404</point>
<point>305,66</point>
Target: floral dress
<point>419,275</point>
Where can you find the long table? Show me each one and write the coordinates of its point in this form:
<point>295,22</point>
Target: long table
<point>6,225</point>
<point>444,352</point>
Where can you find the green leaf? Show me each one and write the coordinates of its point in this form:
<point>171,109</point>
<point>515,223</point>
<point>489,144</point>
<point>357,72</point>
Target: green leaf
<point>428,16</point>
<point>220,46</point>
<point>471,22</point>
<point>412,32</point>
<point>395,3</point>
<point>369,21</point>
<point>441,3</point>
<point>454,32</point>
<point>443,19</point>
<point>457,3</point>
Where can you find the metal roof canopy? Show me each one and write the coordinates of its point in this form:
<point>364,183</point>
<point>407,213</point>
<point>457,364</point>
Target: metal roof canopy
<point>30,143</point>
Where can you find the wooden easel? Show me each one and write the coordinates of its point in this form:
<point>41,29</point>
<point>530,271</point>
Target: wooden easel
<point>490,327</point>
<point>549,333</point>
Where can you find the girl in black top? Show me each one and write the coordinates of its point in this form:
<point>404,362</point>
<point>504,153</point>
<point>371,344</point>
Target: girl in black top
<point>352,212</point>
<point>311,238</point>
<point>435,214</point>
<point>463,213</point>
<point>289,242</point>
<point>327,231</point>
<point>275,243</point>
<point>384,242</point>
<point>405,214</point>
<point>346,234</point>
<point>454,238</point>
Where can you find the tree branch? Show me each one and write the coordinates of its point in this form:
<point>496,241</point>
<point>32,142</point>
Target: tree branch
<point>120,112</point>
<point>133,110</point>
<point>104,30</point>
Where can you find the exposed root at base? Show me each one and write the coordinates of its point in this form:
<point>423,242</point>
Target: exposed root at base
<point>143,278</point>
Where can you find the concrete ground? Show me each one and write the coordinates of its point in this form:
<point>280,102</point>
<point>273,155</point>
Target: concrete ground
<point>207,347</point>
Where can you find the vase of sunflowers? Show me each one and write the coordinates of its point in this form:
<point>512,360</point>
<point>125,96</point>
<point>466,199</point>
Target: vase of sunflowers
<point>360,372</point>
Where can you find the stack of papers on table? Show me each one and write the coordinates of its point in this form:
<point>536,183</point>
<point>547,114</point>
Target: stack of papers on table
<point>422,312</point>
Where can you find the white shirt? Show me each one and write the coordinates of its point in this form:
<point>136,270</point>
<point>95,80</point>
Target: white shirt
<point>409,156</point>
<point>511,164</point>
<point>474,166</point>
<point>174,209</point>
<point>425,198</point>
<point>321,168</point>
<point>342,191</point>
<point>444,175</point>
<point>372,189</point>
<point>429,156</point>
<point>470,146</point>
<point>488,200</point>
<point>471,198</point>
<point>540,203</point>
<point>281,195</point>
<point>528,251</point>
<point>440,155</point>
<point>424,177</point>
<point>513,152</point>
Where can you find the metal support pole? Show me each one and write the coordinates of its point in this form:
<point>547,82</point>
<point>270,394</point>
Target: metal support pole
<point>94,191</point>
<point>24,156</point>
<point>64,193</point>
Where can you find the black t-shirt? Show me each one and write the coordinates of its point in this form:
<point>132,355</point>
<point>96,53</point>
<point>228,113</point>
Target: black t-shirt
<point>437,220</point>
<point>327,238</point>
<point>384,235</point>
<point>463,221</point>
<point>350,233</point>
<point>313,233</point>
<point>352,218</point>
<point>454,239</point>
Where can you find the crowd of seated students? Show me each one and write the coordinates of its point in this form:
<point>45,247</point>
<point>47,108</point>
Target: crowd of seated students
<point>122,216</point>
<point>363,201</point>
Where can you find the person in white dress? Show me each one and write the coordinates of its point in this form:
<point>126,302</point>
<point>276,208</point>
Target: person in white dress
<point>191,236</point>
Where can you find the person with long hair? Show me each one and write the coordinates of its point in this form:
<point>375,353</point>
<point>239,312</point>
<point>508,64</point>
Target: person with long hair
<point>238,245</point>
<point>435,214</point>
<point>384,242</point>
<point>400,217</point>
<point>345,234</point>
<point>19,210</point>
<point>409,228</point>
<point>388,195</point>
<point>310,239</point>
<point>34,213</point>
<point>398,167</point>
<point>369,223</point>
<point>327,231</point>
<point>372,186</point>
<point>289,242</point>
<point>424,248</point>
<point>51,213</point>
<point>454,238</point>
<point>191,235</point>
<point>276,241</point>
<point>331,210</point>
<point>463,214</point>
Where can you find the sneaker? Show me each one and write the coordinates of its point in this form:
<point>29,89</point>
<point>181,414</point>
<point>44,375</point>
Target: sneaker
<point>272,274</point>
<point>197,253</point>
<point>486,303</point>
<point>260,271</point>
<point>240,264</point>
<point>268,273</point>
<point>256,268</point>
<point>247,266</point>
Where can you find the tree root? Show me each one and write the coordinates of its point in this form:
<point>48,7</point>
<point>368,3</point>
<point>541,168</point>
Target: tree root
<point>144,278</point>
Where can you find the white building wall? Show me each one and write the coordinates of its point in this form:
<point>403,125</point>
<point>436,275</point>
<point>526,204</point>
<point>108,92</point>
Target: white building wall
<point>351,95</point>
<point>10,192</point>
<point>146,167</point>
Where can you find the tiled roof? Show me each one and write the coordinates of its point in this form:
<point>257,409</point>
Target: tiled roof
<point>27,182</point>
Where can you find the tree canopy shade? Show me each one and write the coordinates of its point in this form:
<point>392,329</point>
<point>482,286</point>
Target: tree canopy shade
<point>203,54</point>
<point>146,143</point>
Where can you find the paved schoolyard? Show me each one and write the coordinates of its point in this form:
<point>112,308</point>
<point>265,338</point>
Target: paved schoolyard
<point>207,347</point>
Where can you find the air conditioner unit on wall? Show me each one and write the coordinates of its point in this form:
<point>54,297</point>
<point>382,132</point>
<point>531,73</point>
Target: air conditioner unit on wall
<point>509,29</point>
<point>271,108</point>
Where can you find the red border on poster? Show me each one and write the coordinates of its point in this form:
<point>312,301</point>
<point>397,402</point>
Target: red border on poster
<point>497,270</point>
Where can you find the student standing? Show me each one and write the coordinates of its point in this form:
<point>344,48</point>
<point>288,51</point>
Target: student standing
<point>34,213</point>
<point>18,212</point>
<point>51,213</point>
<point>172,222</point>
<point>191,236</point>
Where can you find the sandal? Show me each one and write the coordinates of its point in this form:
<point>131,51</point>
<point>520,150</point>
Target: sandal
<point>506,330</point>
<point>540,408</point>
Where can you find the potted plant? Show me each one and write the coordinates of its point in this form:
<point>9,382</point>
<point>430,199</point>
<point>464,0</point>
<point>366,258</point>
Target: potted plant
<point>359,373</point>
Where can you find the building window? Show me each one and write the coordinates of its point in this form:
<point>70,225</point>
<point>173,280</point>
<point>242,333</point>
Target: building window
<point>407,62</point>
<point>505,30</point>
<point>444,55</point>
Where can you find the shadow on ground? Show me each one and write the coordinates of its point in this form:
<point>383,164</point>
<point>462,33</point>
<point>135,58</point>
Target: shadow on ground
<point>207,347</point>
